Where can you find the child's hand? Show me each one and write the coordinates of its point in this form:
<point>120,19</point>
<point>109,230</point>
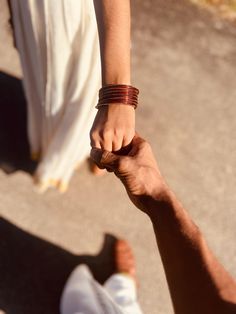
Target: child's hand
<point>113,127</point>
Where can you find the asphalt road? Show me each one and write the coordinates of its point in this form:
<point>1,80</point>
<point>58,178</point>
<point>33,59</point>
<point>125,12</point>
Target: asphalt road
<point>184,62</point>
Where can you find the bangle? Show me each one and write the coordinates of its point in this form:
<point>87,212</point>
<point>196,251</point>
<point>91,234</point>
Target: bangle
<point>118,93</point>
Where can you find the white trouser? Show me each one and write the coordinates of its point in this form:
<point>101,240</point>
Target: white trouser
<point>83,295</point>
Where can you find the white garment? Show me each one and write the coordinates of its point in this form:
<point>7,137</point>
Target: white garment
<point>83,295</point>
<point>59,51</point>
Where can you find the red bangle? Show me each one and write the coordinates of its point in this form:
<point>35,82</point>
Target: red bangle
<point>119,93</point>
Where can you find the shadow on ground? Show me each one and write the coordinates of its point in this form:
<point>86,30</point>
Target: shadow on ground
<point>33,271</point>
<point>14,148</point>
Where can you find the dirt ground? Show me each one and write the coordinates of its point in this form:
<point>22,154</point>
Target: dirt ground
<point>225,8</point>
<point>184,61</point>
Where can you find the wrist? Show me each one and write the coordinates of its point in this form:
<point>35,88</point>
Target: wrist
<point>118,94</point>
<point>160,197</point>
<point>115,79</point>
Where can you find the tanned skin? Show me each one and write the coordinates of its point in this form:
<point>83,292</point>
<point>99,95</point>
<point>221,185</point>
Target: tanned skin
<point>198,283</point>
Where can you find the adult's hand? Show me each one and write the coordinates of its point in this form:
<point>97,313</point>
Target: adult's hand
<point>137,170</point>
<point>197,281</point>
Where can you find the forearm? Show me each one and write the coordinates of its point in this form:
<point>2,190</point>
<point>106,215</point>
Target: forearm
<point>113,18</point>
<point>197,281</point>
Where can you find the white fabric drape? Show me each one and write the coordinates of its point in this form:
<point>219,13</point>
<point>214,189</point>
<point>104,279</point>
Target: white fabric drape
<point>59,50</point>
<point>83,295</point>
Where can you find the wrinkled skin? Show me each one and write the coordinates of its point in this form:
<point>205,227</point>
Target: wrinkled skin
<point>137,170</point>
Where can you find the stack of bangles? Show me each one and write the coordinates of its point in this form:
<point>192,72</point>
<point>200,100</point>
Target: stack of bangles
<point>118,94</point>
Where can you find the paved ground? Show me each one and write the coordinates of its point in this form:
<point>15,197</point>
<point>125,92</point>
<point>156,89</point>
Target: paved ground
<point>184,63</point>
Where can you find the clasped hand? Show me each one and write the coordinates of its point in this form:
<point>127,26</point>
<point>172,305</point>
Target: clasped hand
<point>138,170</point>
<point>113,127</point>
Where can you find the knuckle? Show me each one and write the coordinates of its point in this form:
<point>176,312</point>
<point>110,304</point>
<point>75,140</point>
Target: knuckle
<point>129,136</point>
<point>149,148</point>
<point>106,134</point>
<point>145,145</point>
<point>93,134</point>
<point>130,130</point>
<point>118,132</point>
<point>117,141</point>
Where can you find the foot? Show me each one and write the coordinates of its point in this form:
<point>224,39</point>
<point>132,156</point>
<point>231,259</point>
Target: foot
<point>124,259</point>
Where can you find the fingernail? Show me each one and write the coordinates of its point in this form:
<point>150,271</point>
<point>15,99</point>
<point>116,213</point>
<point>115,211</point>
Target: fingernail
<point>96,154</point>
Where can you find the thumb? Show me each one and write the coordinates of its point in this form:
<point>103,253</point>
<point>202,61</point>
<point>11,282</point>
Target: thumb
<point>104,159</point>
